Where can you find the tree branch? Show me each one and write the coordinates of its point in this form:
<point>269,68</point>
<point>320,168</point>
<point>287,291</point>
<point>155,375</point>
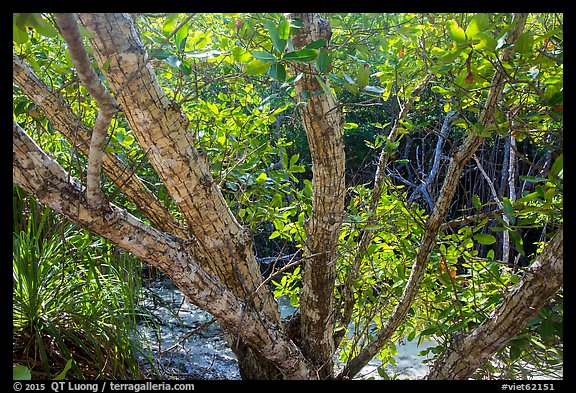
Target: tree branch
<point>47,181</point>
<point>521,303</point>
<point>72,128</point>
<point>107,104</point>
<point>457,163</point>
<point>367,236</point>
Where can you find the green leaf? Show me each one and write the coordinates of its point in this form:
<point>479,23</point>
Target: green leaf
<point>533,179</point>
<point>294,159</point>
<point>558,165</point>
<point>487,40</point>
<point>42,27</point>
<point>277,42</point>
<point>302,55</point>
<point>21,373</point>
<point>476,201</point>
<point>62,375</point>
<point>181,36</point>
<point>484,238</point>
<point>546,329</point>
<point>174,61</point>
<point>524,42</point>
<point>316,44</point>
<point>515,352</point>
<point>323,60</point>
<point>19,36</point>
<point>284,30</point>
<point>128,140</point>
<point>350,126</point>
<point>374,89</point>
<point>441,90</point>
<point>256,67</point>
<point>363,76</point>
<point>430,331</point>
<point>241,55</point>
<point>106,65</point>
<point>261,178</point>
<point>169,23</point>
<point>456,32</point>
<point>509,210</point>
<point>323,85</point>
<point>478,23</point>
<point>277,71</point>
<point>264,56</point>
<point>518,242</point>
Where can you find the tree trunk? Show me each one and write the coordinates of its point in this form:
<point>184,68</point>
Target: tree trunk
<point>323,122</point>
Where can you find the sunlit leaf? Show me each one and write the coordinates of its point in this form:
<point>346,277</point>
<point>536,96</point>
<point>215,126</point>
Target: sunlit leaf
<point>456,32</point>
<point>257,67</point>
<point>264,56</point>
<point>302,55</point>
<point>484,238</point>
<point>241,55</point>
<point>363,76</point>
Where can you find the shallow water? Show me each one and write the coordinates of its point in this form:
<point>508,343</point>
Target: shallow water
<point>177,354</point>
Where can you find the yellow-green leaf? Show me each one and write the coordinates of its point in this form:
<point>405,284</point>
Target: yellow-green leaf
<point>363,76</point>
<point>456,32</point>
<point>256,67</point>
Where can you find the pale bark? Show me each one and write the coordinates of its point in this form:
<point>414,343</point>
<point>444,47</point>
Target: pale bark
<point>44,178</point>
<point>60,115</point>
<point>221,243</point>
<point>322,119</point>
<point>68,27</point>
<point>457,163</point>
<point>521,303</point>
<point>218,241</point>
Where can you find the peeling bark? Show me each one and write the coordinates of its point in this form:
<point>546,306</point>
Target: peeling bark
<point>73,129</point>
<point>44,178</point>
<point>521,303</point>
<point>323,121</point>
<point>108,106</point>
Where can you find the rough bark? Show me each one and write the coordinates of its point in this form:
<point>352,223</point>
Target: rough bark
<point>67,24</point>
<point>521,303</point>
<point>218,241</point>
<point>322,119</point>
<point>44,178</point>
<point>457,163</point>
<point>60,115</point>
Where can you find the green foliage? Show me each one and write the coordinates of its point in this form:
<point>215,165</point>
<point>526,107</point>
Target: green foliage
<point>233,75</point>
<point>74,298</point>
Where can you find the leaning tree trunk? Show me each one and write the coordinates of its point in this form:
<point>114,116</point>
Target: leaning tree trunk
<point>521,303</point>
<point>457,163</point>
<point>41,176</point>
<point>217,240</point>
<point>209,256</point>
